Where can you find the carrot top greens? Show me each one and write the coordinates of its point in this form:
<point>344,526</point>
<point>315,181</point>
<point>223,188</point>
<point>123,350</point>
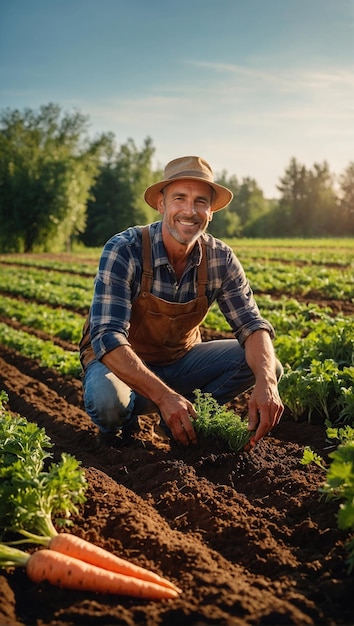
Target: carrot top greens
<point>22,442</point>
<point>31,494</point>
<point>12,557</point>
<point>220,422</point>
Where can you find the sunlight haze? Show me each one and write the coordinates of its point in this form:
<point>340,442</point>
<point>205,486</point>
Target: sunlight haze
<point>247,84</point>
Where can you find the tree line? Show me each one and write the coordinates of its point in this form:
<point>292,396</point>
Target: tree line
<point>58,186</point>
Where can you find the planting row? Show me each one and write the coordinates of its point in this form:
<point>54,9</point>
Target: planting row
<point>337,252</point>
<point>35,285</point>
<point>286,315</point>
<point>318,361</point>
<point>323,282</point>
<point>45,353</point>
<point>315,347</point>
<point>75,291</point>
<point>57,322</point>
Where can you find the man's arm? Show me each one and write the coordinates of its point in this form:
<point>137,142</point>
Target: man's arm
<point>176,410</point>
<point>265,405</point>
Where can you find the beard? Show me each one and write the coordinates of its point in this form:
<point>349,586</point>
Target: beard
<point>185,238</point>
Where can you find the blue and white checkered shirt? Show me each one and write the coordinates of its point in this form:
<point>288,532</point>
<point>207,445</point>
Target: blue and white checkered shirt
<point>118,281</point>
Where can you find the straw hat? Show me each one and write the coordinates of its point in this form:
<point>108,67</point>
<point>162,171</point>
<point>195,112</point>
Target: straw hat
<point>190,168</point>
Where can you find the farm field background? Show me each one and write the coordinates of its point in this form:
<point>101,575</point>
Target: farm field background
<point>246,536</point>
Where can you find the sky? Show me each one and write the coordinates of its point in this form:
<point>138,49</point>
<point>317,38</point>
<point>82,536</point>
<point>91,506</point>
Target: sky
<point>246,84</point>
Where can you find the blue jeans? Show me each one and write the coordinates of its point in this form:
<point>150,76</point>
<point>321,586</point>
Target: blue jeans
<point>218,367</point>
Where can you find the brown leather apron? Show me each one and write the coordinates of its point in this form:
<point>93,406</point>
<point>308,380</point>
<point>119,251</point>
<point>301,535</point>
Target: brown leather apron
<point>160,331</point>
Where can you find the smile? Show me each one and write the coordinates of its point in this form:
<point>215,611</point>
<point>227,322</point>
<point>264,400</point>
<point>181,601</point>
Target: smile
<point>188,223</point>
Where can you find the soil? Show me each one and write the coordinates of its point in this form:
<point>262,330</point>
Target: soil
<point>246,536</point>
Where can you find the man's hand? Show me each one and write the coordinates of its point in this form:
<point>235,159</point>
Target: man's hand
<point>265,409</point>
<point>177,412</point>
<point>265,406</point>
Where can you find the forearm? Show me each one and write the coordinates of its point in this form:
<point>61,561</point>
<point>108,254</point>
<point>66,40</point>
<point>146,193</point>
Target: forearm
<point>260,356</point>
<point>127,366</point>
<point>264,405</point>
<point>175,410</point>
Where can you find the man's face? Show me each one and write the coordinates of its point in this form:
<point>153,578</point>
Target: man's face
<point>185,209</point>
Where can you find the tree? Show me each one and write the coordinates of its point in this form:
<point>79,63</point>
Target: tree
<point>47,166</point>
<point>117,198</point>
<point>226,223</point>
<point>307,206</point>
<point>292,202</point>
<point>266,223</point>
<point>247,205</point>
<point>250,203</point>
<point>346,202</point>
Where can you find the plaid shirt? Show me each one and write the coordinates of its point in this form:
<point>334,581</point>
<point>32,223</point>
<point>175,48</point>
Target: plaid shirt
<point>118,280</point>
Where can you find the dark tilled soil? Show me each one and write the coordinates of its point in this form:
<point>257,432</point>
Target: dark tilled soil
<point>245,535</point>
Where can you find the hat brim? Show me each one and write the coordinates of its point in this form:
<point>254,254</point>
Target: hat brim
<point>221,196</point>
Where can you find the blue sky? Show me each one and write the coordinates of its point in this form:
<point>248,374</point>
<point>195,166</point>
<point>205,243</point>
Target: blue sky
<point>247,84</point>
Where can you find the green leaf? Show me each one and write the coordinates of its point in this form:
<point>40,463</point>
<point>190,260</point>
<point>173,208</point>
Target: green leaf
<point>31,495</point>
<point>220,422</point>
<point>311,457</point>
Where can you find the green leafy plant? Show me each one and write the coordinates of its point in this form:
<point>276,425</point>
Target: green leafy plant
<point>57,322</point>
<point>339,482</point>
<point>45,352</point>
<point>215,420</point>
<point>309,456</point>
<point>30,494</point>
<point>340,485</point>
<point>22,442</point>
<point>321,388</point>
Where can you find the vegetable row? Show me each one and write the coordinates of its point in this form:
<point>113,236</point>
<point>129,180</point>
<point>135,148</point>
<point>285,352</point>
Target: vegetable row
<point>315,346</point>
<point>339,252</point>
<point>75,290</point>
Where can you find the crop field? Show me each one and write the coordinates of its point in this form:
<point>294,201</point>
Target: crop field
<point>248,537</point>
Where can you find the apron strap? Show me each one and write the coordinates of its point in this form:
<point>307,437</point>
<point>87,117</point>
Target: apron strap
<point>202,276</point>
<point>146,282</point>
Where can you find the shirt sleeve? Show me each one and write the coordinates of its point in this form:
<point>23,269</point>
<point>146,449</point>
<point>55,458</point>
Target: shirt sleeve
<point>112,296</point>
<point>237,303</point>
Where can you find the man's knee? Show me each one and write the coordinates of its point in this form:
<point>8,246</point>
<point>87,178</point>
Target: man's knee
<point>109,413</point>
<point>107,400</point>
<point>103,410</point>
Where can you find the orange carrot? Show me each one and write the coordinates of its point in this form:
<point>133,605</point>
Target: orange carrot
<point>74,546</point>
<point>71,573</point>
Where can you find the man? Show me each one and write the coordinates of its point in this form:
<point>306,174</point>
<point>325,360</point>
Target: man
<point>141,349</point>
